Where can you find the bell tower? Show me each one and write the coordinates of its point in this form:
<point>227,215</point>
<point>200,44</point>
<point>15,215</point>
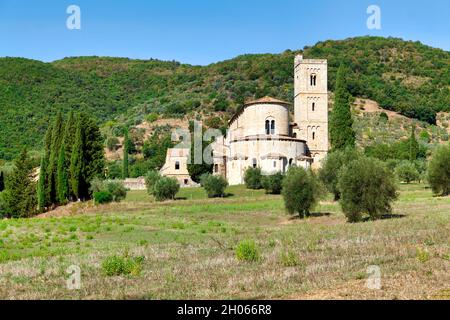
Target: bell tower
<point>311,105</point>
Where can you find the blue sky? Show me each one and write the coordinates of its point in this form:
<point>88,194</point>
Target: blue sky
<point>207,31</point>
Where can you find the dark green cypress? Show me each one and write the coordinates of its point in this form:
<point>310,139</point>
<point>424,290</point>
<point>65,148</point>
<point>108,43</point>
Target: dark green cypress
<point>44,174</point>
<point>413,144</point>
<point>2,182</point>
<point>42,187</point>
<point>62,182</point>
<point>342,135</point>
<point>126,149</point>
<point>57,136</point>
<point>76,162</point>
<point>20,195</point>
<point>68,141</point>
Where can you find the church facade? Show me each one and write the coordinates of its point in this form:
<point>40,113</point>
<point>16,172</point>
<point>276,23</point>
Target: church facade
<point>263,134</point>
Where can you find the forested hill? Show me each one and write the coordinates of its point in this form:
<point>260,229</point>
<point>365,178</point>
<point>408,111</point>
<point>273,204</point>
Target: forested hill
<point>407,77</point>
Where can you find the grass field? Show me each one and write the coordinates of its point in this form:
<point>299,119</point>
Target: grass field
<point>187,250</point>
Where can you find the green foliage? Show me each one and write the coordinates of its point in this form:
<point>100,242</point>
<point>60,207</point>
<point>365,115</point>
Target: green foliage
<point>406,171</point>
<point>150,180</point>
<point>165,189</point>
<point>247,251</point>
<point>198,166</point>
<point>155,148</point>
<point>114,187</point>
<point>102,197</point>
<point>111,143</point>
<point>366,187</point>
<point>126,151</point>
<point>301,191</point>
<point>439,171</point>
<point>273,184</point>
<point>19,198</point>
<point>2,181</point>
<point>52,170</point>
<point>384,117</point>
<point>107,88</point>
<point>151,117</point>
<point>331,167</point>
<point>214,185</point>
<point>253,178</point>
<point>62,182</point>
<point>119,265</point>
<point>41,188</point>
<point>341,122</point>
<point>289,258</point>
<point>76,163</point>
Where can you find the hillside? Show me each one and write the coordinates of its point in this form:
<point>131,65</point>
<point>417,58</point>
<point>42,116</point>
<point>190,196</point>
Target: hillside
<point>406,77</point>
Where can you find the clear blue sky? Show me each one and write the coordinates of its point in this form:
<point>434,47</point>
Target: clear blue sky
<point>206,31</point>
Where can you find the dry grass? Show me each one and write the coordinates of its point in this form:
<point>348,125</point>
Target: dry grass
<point>189,249</point>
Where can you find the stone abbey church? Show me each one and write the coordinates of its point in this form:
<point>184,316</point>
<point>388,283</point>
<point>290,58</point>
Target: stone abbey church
<point>262,134</point>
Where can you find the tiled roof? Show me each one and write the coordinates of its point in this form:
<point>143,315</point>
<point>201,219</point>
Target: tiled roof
<point>266,99</point>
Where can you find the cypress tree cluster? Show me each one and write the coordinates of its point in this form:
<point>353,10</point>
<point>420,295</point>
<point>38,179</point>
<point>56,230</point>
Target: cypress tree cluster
<point>20,196</point>
<point>73,156</point>
<point>342,135</point>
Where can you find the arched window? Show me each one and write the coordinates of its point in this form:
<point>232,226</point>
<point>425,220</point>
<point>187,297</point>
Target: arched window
<point>255,163</point>
<point>267,127</point>
<point>313,80</point>
<point>274,164</point>
<point>314,136</point>
<point>216,168</point>
<point>313,106</point>
<point>272,127</point>
<point>177,165</point>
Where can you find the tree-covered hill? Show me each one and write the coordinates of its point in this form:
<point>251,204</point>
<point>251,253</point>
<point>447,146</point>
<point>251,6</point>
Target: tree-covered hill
<point>407,77</point>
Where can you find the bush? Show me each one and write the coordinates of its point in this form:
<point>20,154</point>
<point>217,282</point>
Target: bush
<point>151,117</point>
<point>117,265</point>
<point>102,197</point>
<point>252,178</point>
<point>117,189</point>
<point>150,180</point>
<point>114,187</point>
<point>301,191</point>
<point>333,163</point>
<point>366,186</point>
<point>214,185</point>
<point>111,143</point>
<point>384,117</point>
<point>407,172</point>
<point>273,184</point>
<point>247,251</point>
<point>439,171</point>
<point>165,189</point>
<point>289,258</point>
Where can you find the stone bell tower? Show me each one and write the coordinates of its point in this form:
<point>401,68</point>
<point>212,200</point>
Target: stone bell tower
<point>311,105</point>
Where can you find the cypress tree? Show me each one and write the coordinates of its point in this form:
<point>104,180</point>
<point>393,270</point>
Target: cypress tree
<point>126,149</point>
<point>76,162</point>
<point>342,135</point>
<point>20,196</point>
<point>62,182</point>
<point>68,141</point>
<point>44,177</point>
<point>57,136</point>
<point>42,187</point>
<point>2,181</point>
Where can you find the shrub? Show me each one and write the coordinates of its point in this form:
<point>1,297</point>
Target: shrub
<point>439,171</point>
<point>301,191</point>
<point>151,117</point>
<point>117,189</point>
<point>165,189</point>
<point>333,163</point>
<point>289,258</point>
<point>214,185</point>
<point>150,180</point>
<point>384,117</point>
<point>407,172</point>
<point>117,265</point>
<point>252,178</point>
<point>366,186</point>
<point>102,197</point>
<point>114,187</point>
<point>247,251</point>
<point>273,184</point>
<point>111,143</point>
